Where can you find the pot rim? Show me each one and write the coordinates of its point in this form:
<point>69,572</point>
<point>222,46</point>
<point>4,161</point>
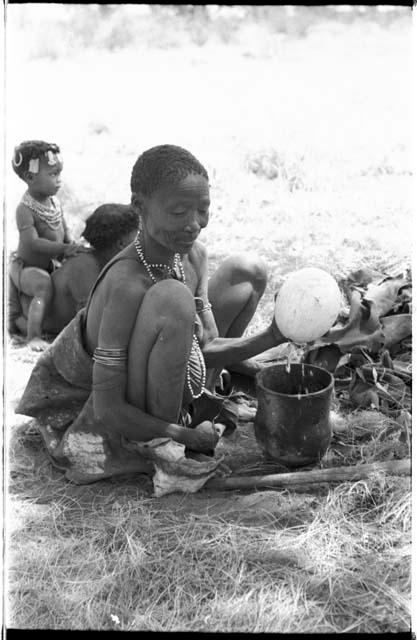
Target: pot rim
<point>329,387</point>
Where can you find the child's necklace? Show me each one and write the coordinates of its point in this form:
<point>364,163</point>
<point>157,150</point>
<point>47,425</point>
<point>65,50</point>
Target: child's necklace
<point>52,215</point>
<point>195,347</point>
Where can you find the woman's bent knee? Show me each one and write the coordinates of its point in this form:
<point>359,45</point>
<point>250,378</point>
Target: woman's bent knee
<point>250,268</point>
<point>170,299</point>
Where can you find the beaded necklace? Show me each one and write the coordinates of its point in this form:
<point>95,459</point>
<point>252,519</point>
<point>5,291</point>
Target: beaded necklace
<point>195,347</point>
<point>50,215</point>
<point>170,270</point>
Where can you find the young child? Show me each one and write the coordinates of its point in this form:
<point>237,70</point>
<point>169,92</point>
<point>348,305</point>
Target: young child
<point>43,234</point>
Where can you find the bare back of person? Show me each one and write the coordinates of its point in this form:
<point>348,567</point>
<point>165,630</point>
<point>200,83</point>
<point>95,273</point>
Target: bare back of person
<point>72,283</point>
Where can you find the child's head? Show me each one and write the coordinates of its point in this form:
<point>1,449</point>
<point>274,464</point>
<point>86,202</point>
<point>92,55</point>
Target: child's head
<point>39,164</point>
<point>111,226</point>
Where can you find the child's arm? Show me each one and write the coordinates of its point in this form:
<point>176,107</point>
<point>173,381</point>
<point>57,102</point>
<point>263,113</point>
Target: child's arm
<point>67,235</point>
<point>29,236</point>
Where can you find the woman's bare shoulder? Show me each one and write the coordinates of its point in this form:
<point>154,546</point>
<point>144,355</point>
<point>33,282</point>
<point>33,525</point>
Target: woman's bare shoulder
<point>198,255</point>
<point>125,276</point>
<point>199,249</point>
<point>115,302</point>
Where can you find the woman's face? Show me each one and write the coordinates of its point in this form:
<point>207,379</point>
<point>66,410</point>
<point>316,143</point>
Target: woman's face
<point>175,214</point>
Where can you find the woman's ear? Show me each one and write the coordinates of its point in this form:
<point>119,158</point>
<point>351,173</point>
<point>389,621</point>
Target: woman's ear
<point>138,203</point>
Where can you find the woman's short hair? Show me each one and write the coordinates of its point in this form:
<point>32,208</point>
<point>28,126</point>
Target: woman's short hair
<point>108,223</point>
<point>164,164</point>
<point>30,150</point>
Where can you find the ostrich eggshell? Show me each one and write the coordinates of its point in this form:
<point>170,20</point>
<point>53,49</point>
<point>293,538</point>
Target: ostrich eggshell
<point>307,305</point>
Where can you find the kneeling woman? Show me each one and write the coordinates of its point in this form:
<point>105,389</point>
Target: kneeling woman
<point>141,361</point>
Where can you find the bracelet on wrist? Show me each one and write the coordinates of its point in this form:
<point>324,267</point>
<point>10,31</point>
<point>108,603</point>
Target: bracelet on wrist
<point>200,307</point>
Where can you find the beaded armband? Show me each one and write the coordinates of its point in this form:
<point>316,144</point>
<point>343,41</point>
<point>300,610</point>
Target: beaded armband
<point>110,357</point>
<point>200,307</point>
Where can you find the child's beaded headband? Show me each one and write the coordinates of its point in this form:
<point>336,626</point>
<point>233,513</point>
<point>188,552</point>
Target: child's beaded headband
<point>51,156</point>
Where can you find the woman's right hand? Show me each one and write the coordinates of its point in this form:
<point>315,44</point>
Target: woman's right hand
<point>205,437</point>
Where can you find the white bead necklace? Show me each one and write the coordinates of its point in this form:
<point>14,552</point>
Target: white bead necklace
<point>50,215</point>
<point>195,347</point>
<point>164,267</point>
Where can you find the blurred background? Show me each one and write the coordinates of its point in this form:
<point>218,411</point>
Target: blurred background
<point>301,114</point>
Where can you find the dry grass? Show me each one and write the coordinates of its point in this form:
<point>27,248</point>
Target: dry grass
<point>110,556</point>
<point>308,152</point>
<point>369,437</point>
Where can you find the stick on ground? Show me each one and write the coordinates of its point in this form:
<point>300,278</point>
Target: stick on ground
<point>334,474</point>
